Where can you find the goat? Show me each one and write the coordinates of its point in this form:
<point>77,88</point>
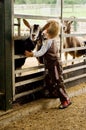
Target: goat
<point>71,42</point>
<point>36,36</point>
<point>29,44</point>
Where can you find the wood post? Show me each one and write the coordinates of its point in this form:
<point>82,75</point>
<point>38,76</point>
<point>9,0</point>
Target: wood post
<point>5,54</point>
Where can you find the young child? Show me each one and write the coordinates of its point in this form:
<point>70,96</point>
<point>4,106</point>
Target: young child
<point>53,65</point>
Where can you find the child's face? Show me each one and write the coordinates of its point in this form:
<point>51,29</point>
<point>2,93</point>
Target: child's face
<point>45,34</point>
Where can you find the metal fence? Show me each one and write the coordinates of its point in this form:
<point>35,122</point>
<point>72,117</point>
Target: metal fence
<point>75,73</point>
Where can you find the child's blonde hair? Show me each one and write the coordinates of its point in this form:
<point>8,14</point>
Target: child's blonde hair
<point>52,27</point>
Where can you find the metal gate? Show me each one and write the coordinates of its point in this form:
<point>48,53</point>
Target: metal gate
<point>73,74</point>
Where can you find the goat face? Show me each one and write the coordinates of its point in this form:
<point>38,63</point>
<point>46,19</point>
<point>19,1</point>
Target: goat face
<point>67,26</point>
<point>37,38</point>
<point>34,32</point>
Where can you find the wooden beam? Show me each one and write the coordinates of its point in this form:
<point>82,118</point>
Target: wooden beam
<point>6,54</point>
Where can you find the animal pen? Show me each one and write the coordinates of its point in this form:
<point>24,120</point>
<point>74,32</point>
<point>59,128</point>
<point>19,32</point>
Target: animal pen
<point>14,86</point>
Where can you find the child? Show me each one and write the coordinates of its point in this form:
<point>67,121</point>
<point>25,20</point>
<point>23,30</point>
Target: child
<point>50,53</point>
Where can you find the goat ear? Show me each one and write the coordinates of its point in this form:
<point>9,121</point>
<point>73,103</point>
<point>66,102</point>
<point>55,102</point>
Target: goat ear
<point>70,22</point>
<point>26,23</point>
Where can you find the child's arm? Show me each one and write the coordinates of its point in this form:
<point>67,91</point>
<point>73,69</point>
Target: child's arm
<point>41,52</point>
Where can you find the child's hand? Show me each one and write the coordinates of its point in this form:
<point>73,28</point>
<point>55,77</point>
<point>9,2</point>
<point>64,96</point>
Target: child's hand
<point>28,54</point>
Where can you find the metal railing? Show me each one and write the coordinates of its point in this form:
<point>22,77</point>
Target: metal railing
<point>65,71</point>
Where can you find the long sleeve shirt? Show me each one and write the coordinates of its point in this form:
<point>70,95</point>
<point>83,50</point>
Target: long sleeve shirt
<point>46,45</point>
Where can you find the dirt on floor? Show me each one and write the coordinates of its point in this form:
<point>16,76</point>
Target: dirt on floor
<point>71,118</point>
